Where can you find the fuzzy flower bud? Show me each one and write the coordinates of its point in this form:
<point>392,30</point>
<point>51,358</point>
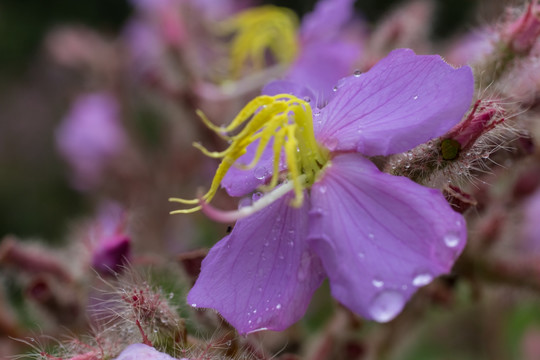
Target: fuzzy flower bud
<point>523,32</point>
<point>483,117</point>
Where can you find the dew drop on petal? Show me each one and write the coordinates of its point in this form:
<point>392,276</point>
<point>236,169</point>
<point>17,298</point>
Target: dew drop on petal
<point>335,88</point>
<point>422,279</point>
<point>451,239</point>
<point>377,283</point>
<point>386,305</point>
<point>278,306</point>
<point>415,97</point>
<point>260,172</point>
<point>303,270</point>
<point>357,73</point>
<point>194,305</point>
<point>245,201</point>
<point>332,144</point>
<point>322,189</point>
<point>307,99</point>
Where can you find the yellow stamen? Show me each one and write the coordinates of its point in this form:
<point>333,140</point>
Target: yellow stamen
<point>258,30</point>
<point>286,119</point>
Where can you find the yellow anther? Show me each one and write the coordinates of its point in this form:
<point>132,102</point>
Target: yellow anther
<point>286,119</point>
<point>258,30</point>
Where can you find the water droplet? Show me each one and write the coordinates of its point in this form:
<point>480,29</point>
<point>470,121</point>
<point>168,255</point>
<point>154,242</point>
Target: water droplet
<point>422,279</point>
<point>260,172</point>
<point>451,239</point>
<point>407,165</point>
<point>322,188</point>
<point>155,331</point>
<point>335,88</point>
<point>316,112</point>
<point>409,155</point>
<point>357,73</point>
<point>485,155</point>
<point>332,144</point>
<point>316,212</point>
<point>386,305</point>
<point>171,295</point>
<point>249,322</point>
<point>307,99</point>
<point>415,97</point>
<point>303,270</point>
<point>290,243</point>
<point>194,305</point>
<point>278,306</point>
<point>245,201</point>
<point>228,343</point>
<point>377,283</point>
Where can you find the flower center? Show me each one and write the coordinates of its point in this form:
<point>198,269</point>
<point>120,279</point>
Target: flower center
<point>284,118</point>
<point>258,30</point>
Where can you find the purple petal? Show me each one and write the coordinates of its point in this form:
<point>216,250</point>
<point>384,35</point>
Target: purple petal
<point>262,275</point>
<point>238,182</point>
<point>531,227</point>
<point>296,88</point>
<point>380,236</point>
<point>320,66</point>
<point>403,101</point>
<point>142,352</point>
<point>326,20</point>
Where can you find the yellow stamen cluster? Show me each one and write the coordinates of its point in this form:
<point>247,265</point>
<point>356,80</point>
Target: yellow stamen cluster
<point>285,118</point>
<point>258,30</point>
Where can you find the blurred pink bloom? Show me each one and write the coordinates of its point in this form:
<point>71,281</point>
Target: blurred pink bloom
<point>90,136</point>
<point>109,242</point>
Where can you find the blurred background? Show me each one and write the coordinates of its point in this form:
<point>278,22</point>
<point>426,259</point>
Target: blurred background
<point>35,93</point>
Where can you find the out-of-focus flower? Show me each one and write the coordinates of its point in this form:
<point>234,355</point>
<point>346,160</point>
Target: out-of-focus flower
<point>90,136</point>
<point>472,47</point>
<point>143,352</point>
<point>110,244</point>
<point>325,53</point>
<point>377,237</point>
